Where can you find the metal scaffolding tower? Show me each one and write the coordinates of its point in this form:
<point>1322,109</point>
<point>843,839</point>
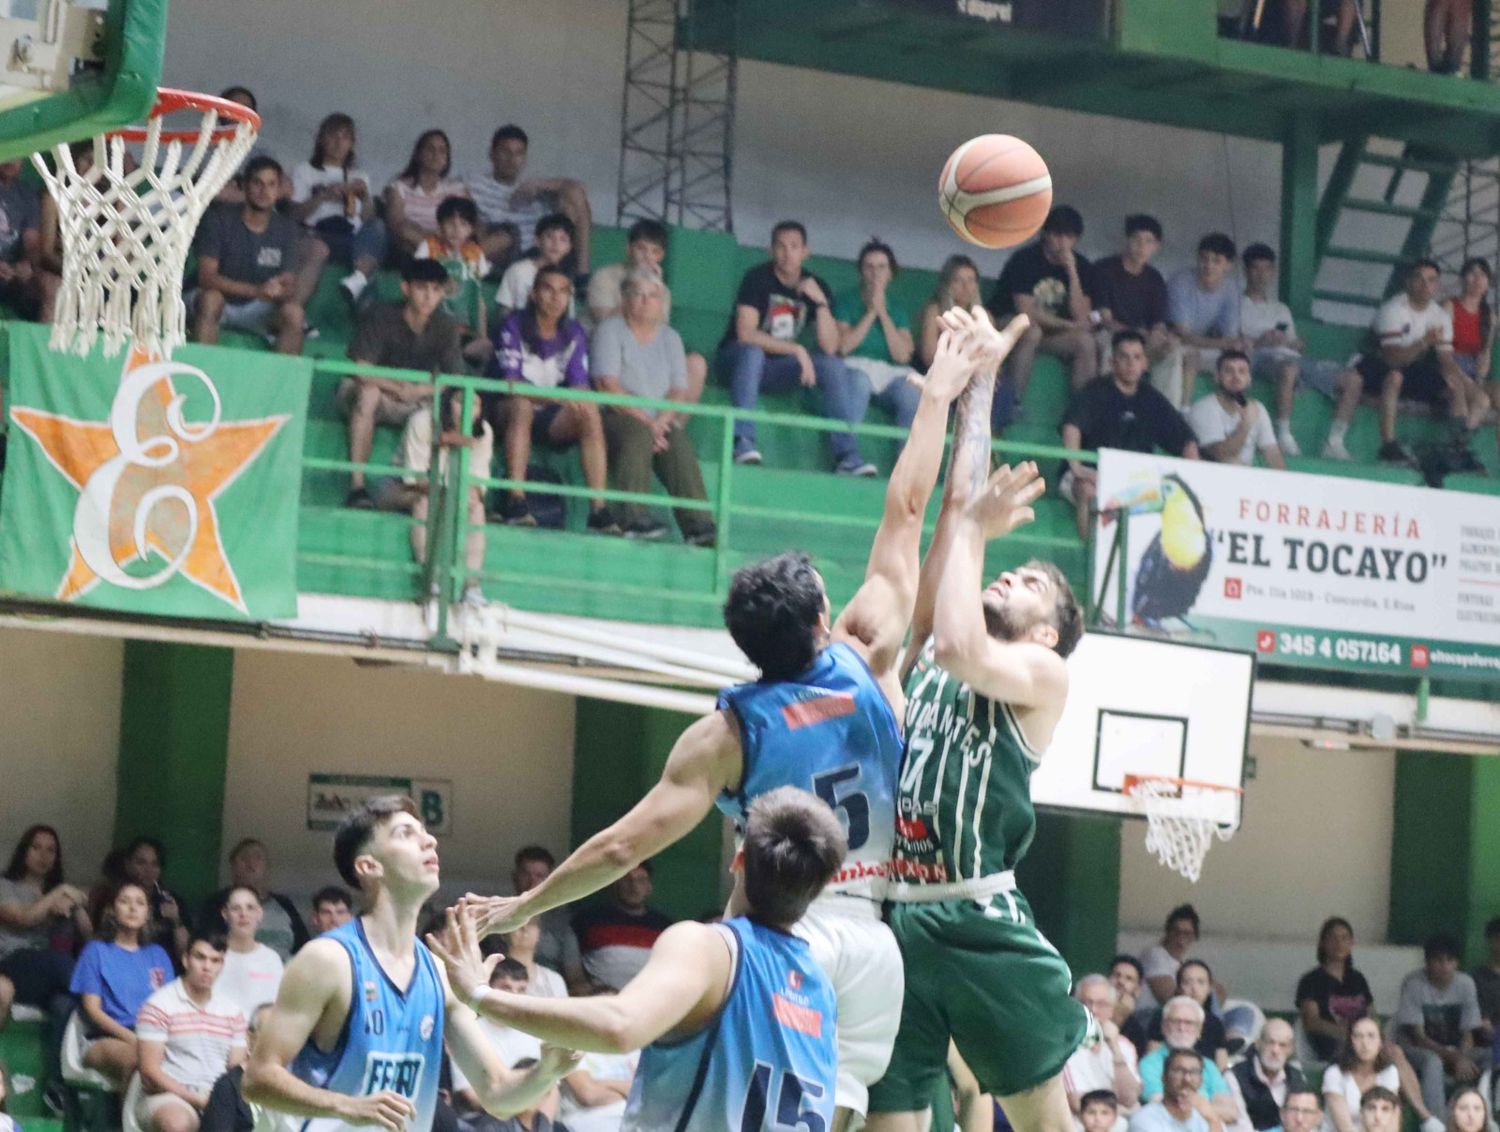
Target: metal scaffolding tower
<point>676,122</point>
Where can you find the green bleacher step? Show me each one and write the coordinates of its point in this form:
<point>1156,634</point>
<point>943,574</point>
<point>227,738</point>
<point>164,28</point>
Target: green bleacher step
<point>1364,255</point>
<point>1386,208</point>
<point>1354,298</point>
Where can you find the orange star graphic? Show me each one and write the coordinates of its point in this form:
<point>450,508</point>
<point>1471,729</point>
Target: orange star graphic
<point>204,464</point>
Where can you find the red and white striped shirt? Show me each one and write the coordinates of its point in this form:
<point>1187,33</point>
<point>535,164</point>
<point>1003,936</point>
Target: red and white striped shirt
<point>199,1039</point>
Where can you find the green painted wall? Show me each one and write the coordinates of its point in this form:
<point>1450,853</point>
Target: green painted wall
<point>1444,847</point>
<point>174,747</point>
<point>619,752</point>
<point>1071,878</point>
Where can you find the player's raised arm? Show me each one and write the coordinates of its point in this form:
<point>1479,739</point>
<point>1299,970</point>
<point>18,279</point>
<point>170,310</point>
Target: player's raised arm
<point>703,761</point>
<point>307,996</point>
<point>876,619</point>
<point>1025,672</point>
<point>685,979</point>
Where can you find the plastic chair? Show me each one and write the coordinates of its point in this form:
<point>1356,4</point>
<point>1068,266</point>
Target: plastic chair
<point>1242,1019</point>
<point>74,1071</point>
<point>129,1122</point>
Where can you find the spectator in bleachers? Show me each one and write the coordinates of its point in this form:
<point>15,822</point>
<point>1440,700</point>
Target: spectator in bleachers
<point>1446,27</point>
<point>331,200</point>
<point>414,334</point>
<point>875,341</point>
<point>23,284</point>
<point>1107,1064</point>
<point>546,348</point>
<point>252,971</point>
<point>1205,308</point>
<point>773,306</point>
<point>247,267</point>
<point>511,1044</point>
<point>1132,295</point>
<point>1468,1112</point>
<point>537,1118</point>
<point>521,945</point>
<point>332,908</point>
<point>1487,983</point>
<point>1413,359</point>
<point>412,199</point>
<point>1380,1110</point>
<point>1098,1111</point>
<point>958,286</point>
<point>1365,1061</point>
<point>558,947</point>
<point>1291,28</point>
<point>142,863</point>
<point>408,492</point>
<point>1230,427</point>
<point>190,1033</point>
<point>227,1109</point>
<point>1473,321</point>
<point>1266,1080</point>
<point>1333,995</point>
<point>645,248</point>
<point>1301,1111</point>
<point>510,208</point>
<point>637,354</point>
<point>1181,1105</point>
<point>1160,961</point>
<point>615,935</point>
<point>1196,981</point>
<point>554,248</point>
<point>456,249</point>
<point>1054,286</point>
<point>1126,976</point>
<point>233,192</point>
<point>37,906</point>
<point>114,976</point>
<point>1276,355</point>
<point>49,231</point>
<point>1118,411</point>
<point>1436,1018</point>
<point>281,927</point>
<point>1182,1026</point>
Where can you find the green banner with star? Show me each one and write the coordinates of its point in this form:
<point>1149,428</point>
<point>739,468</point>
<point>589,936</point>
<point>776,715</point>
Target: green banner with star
<point>166,488</point>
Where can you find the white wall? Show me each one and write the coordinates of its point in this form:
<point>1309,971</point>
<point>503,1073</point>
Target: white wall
<point>60,700</point>
<point>1316,842</point>
<point>507,751</point>
<point>808,144</point>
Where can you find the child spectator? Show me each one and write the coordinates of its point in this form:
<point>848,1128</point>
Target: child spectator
<point>1099,1111</point>
<point>456,249</point>
<point>1229,426</point>
<point>1205,309</point>
<point>331,199</point>
<point>412,199</point>
<point>545,347</point>
<point>251,971</point>
<point>554,248</point>
<point>114,977</point>
<point>511,209</point>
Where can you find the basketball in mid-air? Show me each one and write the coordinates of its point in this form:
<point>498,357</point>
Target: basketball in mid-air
<point>995,190</point>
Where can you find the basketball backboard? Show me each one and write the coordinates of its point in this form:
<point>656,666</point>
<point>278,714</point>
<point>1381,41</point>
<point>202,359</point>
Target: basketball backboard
<point>75,68</point>
<point>1145,706</point>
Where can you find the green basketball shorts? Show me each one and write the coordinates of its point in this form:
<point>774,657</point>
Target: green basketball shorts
<point>983,975</point>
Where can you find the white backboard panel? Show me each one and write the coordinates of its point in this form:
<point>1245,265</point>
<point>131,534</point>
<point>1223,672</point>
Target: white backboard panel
<point>1140,705</point>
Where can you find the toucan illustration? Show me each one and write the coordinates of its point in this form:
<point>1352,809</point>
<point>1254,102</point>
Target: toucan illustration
<point>1176,563</point>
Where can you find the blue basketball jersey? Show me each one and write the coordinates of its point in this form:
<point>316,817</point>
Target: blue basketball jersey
<point>767,1062</point>
<point>829,730</point>
<point>392,1039</point>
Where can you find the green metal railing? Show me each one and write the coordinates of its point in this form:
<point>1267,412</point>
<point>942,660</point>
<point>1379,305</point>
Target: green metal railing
<point>443,574</point>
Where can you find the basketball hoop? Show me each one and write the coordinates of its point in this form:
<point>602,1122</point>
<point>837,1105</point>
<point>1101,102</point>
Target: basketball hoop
<point>1183,818</point>
<point>126,233</point>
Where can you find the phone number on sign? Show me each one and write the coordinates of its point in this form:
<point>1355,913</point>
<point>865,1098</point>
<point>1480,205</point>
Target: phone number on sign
<point>1315,646</point>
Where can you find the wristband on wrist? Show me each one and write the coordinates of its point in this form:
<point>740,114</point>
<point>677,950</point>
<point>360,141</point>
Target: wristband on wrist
<point>477,996</point>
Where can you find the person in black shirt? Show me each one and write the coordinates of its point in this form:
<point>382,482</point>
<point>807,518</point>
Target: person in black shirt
<point>1118,411</point>
<point>1130,294</point>
<point>227,1110</point>
<point>1053,286</point>
<point>1333,994</point>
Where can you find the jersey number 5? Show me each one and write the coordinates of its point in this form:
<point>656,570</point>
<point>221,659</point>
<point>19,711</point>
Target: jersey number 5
<point>789,1113</point>
<point>853,806</point>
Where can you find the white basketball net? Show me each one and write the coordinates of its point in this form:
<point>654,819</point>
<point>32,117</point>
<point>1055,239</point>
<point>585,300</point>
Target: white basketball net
<point>126,235</point>
<point>1180,827</point>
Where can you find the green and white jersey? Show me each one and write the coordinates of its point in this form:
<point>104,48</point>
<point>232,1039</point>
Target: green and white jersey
<point>964,809</point>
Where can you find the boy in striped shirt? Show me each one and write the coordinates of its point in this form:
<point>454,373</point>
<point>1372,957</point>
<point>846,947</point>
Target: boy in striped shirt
<point>188,1037</point>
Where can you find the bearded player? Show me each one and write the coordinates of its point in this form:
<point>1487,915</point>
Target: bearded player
<point>985,692</point>
<point>823,717</point>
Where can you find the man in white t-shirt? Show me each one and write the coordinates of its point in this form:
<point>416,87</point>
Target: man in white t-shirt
<point>1413,359</point>
<point>187,1037</point>
<point>1107,1064</point>
<point>511,1044</point>
<point>1229,426</point>
<point>1276,354</point>
<point>511,208</point>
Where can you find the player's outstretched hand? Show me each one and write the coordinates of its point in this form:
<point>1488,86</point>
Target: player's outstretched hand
<point>384,1109</point>
<point>954,362</point>
<point>558,1061</point>
<point>1005,502</point>
<point>458,951</point>
<point>494,915</point>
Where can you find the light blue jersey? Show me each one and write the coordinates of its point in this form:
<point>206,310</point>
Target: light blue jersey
<point>767,1063</point>
<point>829,730</point>
<point>393,1039</point>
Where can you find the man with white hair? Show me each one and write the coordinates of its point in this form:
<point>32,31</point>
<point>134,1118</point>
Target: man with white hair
<point>1263,1081</point>
<point>1109,1063</point>
<point>1181,1027</point>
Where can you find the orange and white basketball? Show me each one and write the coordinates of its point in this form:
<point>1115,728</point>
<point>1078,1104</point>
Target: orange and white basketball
<point>995,191</point>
